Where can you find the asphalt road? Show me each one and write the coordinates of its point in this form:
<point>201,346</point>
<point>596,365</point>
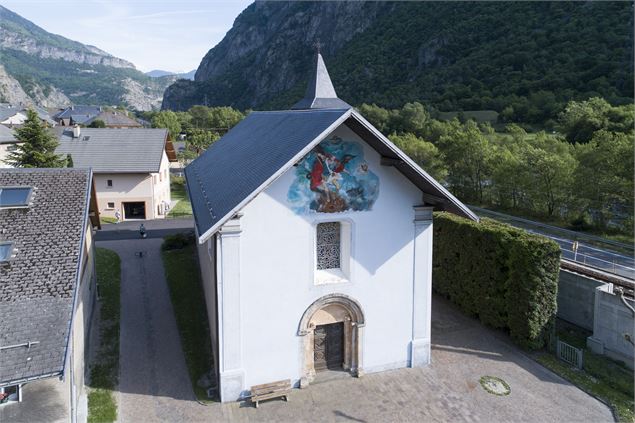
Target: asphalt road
<point>603,258</point>
<point>154,229</point>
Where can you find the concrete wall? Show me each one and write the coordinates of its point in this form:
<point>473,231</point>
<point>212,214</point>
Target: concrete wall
<point>276,278</point>
<point>81,328</point>
<point>206,256</point>
<point>576,298</point>
<point>613,323</point>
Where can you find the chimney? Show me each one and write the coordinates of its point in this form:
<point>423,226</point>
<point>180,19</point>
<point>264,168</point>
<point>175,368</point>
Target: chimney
<point>76,131</point>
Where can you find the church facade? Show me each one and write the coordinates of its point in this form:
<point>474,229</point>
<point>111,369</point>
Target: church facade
<point>315,245</point>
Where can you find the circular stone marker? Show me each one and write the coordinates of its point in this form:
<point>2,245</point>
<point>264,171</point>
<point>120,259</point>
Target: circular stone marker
<point>495,385</point>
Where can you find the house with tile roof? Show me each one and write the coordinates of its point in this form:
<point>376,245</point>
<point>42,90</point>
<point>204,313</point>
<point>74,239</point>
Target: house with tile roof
<point>76,115</point>
<point>47,291</point>
<point>8,144</point>
<point>115,119</point>
<point>12,115</point>
<point>315,245</point>
<point>130,166</point>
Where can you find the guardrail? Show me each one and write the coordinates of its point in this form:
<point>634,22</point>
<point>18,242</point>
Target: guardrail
<point>596,252</point>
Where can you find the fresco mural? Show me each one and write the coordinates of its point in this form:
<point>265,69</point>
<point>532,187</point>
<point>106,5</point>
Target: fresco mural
<point>333,177</point>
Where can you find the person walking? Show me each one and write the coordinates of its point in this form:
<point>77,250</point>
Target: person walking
<point>117,216</point>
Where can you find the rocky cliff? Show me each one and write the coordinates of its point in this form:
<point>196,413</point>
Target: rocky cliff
<point>531,57</point>
<point>37,67</point>
<point>269,50</point>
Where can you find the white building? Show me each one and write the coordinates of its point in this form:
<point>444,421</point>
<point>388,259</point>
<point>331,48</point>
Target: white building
<point>315,245</point>
<point>131,167</point>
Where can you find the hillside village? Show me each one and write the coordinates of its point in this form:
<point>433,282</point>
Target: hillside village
<point>319,261</point>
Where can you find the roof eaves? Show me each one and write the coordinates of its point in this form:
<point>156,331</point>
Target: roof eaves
<point>207,234</point>
<point>80,266</point>
<point>403,156</point>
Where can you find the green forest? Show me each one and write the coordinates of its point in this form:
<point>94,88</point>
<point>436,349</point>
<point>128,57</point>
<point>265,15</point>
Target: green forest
<point>580,176</point>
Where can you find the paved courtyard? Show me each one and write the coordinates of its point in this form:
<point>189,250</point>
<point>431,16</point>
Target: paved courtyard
<point>154,384</point>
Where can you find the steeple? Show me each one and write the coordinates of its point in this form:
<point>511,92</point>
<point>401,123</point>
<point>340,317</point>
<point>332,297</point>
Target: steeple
<point>320,93</point>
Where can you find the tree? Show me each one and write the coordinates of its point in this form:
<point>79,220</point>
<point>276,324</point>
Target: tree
<point>169,120</point>
<point>36,145</point>
<point>424,153</point>
<point>607,161</point>
<point>550,165</point>
<point>69,160</point>
<point>468,154</point>
<point>200,140</point>
<point>581,119</point>
<point>97,123</point>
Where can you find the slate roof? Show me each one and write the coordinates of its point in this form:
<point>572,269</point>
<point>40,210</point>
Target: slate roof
<point>265,144</point>
<point>114,119</point>
<point>77,111</point>
<point>248,155</point>
<point>6,135</point>
<point>114,150</point>
<point>7,111</point>
<point>320,93</point>
<point>38,284</point>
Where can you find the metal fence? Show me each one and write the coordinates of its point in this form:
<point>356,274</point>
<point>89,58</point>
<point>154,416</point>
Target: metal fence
<point>569,354</point>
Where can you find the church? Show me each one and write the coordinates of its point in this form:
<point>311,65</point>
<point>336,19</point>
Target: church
<point>315,245</point>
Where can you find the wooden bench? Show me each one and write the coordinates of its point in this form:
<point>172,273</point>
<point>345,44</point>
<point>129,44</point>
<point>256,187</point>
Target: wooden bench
<point>266,391</point>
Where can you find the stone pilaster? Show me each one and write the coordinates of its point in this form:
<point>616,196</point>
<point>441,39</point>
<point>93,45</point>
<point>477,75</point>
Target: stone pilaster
<point>232,376</point>
<point>422,287</point>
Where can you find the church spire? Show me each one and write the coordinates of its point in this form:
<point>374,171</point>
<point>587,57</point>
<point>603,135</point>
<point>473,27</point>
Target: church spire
<point>320,93</point>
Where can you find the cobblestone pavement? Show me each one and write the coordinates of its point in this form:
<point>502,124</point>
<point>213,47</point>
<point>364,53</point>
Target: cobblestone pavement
<point>154,385</point>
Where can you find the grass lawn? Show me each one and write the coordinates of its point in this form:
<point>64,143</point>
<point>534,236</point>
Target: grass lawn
<point>104,373</point>
<point>602,377</point>
<point>183,207</point>
<point>188,300</point>
<point>106,219</point>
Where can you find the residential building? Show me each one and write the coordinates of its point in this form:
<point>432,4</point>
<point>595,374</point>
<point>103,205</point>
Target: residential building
<point>315,245</point>
<point>76,115</point>
<point>8,144</point>
<point>115,119</point>
<point>130,166</point>
<point>47,275</point>
<point>12,115</point>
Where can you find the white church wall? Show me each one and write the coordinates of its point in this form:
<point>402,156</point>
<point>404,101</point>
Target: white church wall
<point>277,280</point>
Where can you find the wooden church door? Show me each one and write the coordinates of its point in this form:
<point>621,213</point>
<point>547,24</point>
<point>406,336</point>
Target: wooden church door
<point>328,351</point>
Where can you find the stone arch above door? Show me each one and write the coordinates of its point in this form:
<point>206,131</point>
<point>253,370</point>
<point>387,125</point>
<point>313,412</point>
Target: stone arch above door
<point>355,310</point>
<point>332,308</point>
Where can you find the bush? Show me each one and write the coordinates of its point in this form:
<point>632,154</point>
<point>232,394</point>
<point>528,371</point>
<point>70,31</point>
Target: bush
<point>176,242</point>
<point>504,275</point>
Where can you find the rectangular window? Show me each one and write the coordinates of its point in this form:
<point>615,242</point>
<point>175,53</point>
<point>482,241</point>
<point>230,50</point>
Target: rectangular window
<point>6,248</point>
<point>111,205</point>
<point>15,196</point>
<point>328,245</point>
<point>109,183</point>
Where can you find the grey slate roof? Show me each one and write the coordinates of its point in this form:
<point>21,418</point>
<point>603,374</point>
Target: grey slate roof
<point>265,144</point>
<point>78,110</point>
<point>247,156</point>
<point>114,119</point>
<point>320,93</point>
<point>114,150</point>
<point>38,285</point>
<point>6,135</point>
<point>7,110</point>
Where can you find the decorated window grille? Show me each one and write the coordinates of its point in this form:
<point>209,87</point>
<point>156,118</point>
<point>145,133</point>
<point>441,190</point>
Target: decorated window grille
<point>328,248</point>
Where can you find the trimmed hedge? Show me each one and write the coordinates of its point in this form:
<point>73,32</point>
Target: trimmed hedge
<point>504,275</point>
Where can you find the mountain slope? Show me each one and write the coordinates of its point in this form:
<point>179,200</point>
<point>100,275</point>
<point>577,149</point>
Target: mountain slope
<point>530,56</point>
<point>52,71</point>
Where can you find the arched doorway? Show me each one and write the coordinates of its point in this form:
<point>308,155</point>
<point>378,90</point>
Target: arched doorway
<point>331,331</point>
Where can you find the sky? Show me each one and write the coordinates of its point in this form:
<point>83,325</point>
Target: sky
<point>171,35</point>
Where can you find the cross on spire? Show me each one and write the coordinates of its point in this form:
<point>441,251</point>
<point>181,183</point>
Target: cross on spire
<point>317,46</point>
